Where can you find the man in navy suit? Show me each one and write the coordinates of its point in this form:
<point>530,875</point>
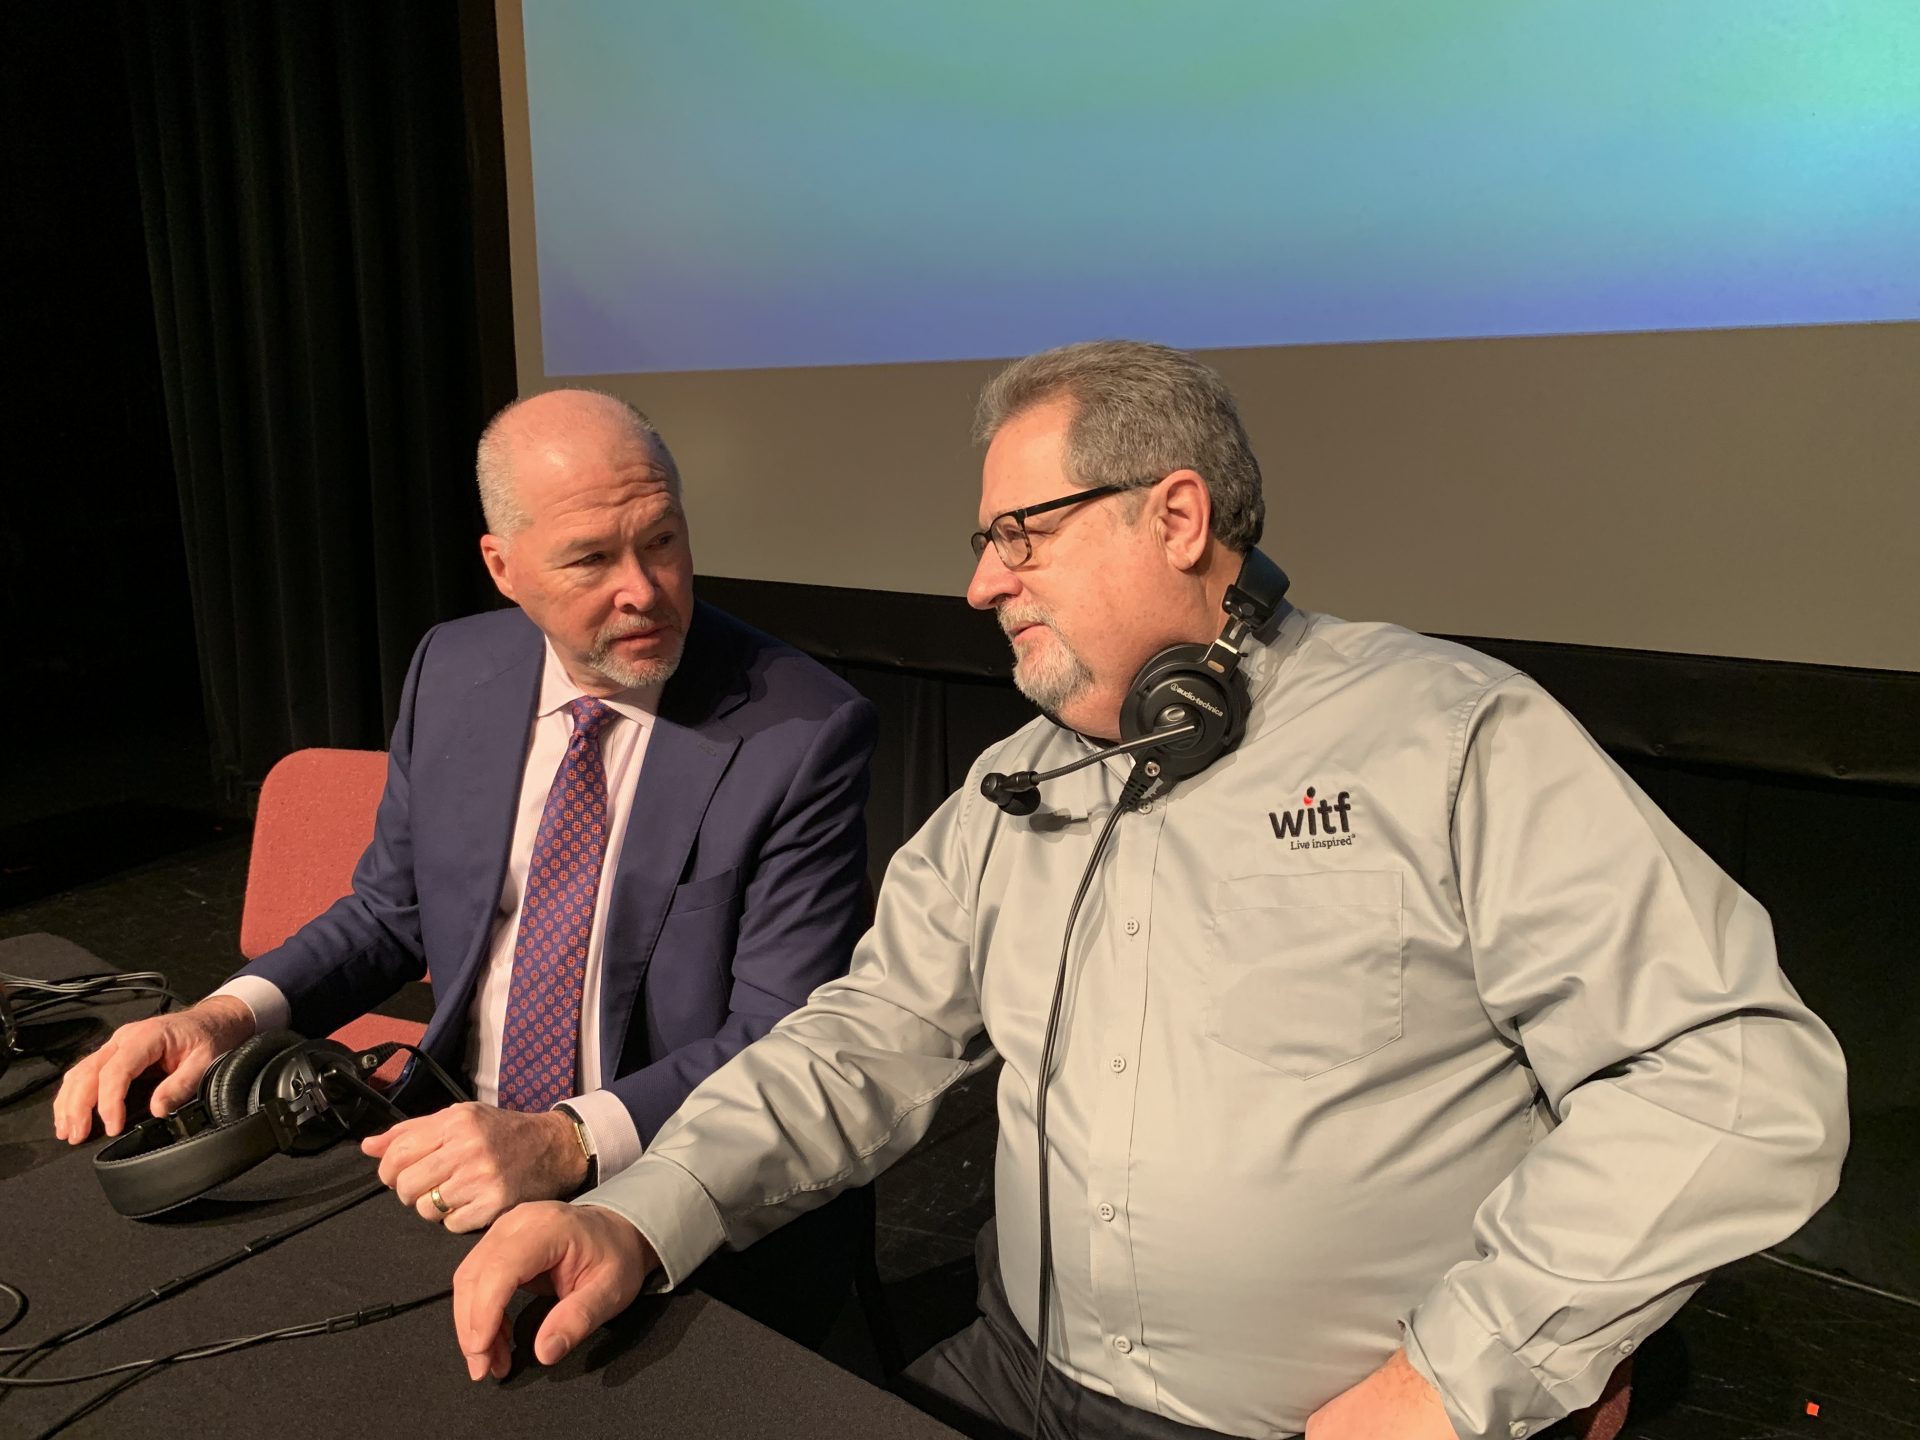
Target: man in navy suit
<point>582,988</point>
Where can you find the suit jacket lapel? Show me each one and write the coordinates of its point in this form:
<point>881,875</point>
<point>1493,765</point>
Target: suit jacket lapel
<point>689,750</point>
<point>495,730</point>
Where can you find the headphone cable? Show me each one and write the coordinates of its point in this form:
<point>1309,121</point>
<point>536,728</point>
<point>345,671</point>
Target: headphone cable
<point>32,997</point>
<point>386,1050</point>
<point>137,1370</point>
<point>330,1325</point>
<point>26,1001</point>
<point>28,1355</point>
<point>19,1298</point>
<point>1126,802</point>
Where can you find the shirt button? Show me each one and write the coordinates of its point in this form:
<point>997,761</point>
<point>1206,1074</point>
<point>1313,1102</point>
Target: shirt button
<point>1518,1430</point>
<point>1118,1063</point>
<point>1145,807</point>
<point>1106,1211</point>
<point>1133,927</point>
<point>1628,1346</point>
<point>1123,1344</point>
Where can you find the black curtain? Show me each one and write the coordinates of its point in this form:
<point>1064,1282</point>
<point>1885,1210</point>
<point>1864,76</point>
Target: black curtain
<point>93,589</point>
<point>307,180</point>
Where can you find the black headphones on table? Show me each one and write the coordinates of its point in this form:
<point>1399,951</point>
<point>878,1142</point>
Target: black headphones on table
<point>1186,708</point>
<point>275,1094</point>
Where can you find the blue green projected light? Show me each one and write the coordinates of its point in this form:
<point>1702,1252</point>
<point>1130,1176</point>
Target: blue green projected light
<point>727,185</point>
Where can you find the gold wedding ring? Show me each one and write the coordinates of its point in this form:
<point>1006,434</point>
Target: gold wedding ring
<point>438,1203</point>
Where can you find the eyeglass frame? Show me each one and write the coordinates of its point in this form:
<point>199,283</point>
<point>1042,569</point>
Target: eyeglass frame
<point>980,539</point>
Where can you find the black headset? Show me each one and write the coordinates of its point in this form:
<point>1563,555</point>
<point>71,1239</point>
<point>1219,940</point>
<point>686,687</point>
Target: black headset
<point>275,1094</point>
<point>1185,709</point>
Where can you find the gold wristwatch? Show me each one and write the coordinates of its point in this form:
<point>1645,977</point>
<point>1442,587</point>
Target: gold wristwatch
<point>585,1137</point>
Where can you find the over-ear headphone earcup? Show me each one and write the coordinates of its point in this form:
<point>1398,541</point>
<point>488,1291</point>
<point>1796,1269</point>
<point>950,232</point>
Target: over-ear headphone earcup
<point>1175,687</point>
<point>307,1063</point>
<point>230,1086</point>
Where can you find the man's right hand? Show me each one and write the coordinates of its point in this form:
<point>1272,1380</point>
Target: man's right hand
<point>181,1046</point>
<point>591,1258</point>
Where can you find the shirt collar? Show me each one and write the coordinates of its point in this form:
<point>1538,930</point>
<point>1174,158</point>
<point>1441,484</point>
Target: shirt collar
<point>557,690</point>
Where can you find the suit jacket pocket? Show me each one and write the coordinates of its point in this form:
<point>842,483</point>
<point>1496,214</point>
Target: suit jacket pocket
<point>704,893</point>
<point>1305,970</point>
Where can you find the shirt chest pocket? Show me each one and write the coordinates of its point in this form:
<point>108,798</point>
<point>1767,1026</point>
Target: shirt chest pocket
<point>1304,971</point>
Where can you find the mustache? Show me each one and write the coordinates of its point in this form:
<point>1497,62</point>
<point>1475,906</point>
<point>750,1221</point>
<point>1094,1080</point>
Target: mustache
<point>620,629</point>
<point>1012,617</point>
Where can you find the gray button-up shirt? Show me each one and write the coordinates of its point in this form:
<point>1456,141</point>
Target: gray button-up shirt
<point>1412,1021</point>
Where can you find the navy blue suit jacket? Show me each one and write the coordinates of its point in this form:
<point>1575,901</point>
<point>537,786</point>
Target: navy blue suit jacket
<point>740,885</point>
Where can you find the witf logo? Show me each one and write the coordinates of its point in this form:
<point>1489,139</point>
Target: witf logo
<point>1315,818</point>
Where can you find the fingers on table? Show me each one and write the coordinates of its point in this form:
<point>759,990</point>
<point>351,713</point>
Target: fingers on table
<point>573,1318</point>
<point>73,1102</point>
<point>98,1081</point>
<point>483,1284</point>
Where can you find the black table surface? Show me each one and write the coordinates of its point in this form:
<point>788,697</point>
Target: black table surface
<point>671,1366</point>
<point>683,1365</point>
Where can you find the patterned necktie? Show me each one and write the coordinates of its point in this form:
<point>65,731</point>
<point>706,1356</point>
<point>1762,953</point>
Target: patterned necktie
<point>539,1048</point>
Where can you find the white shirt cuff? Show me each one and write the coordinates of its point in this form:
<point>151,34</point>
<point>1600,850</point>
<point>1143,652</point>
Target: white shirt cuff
<point>264,998</point>
<point>616,1141</point>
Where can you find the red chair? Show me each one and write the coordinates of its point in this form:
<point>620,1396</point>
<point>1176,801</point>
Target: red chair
<point>1602,1419</point>
<point>315,818</point>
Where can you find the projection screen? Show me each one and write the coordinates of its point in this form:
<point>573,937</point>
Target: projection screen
<point>1568,323</point>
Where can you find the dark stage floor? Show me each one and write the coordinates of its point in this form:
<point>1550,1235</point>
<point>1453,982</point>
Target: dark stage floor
<point>1745,1361</point>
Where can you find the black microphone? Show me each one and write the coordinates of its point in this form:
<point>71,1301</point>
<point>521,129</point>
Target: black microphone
<point>1019,793</point>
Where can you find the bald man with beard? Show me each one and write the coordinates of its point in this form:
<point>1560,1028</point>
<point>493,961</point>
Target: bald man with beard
<point>582,992</point>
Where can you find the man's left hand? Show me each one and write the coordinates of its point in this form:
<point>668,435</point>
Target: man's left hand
<point>1395,1402</point>
<point>480,1160</point>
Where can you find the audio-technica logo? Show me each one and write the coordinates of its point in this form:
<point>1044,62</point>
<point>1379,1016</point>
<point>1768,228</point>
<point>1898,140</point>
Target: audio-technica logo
<point>1312,826</point>
<point>1193,699</point>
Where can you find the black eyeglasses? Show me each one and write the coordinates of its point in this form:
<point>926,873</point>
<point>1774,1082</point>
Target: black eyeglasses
<point>1008,529</point>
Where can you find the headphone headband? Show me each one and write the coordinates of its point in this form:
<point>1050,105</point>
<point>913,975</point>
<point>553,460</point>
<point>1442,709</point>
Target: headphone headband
<point>268,1096</point>
<point>1258,591</point>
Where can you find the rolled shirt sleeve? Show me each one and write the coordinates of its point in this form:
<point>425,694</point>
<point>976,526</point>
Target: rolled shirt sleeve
<point>1701,1106</point>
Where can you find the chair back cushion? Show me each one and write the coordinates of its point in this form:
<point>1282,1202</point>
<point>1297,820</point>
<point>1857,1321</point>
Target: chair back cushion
<point>315,818</point>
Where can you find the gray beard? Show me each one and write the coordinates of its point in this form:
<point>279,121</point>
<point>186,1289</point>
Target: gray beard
<point>1053,687</point>
<point>629,675</point>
